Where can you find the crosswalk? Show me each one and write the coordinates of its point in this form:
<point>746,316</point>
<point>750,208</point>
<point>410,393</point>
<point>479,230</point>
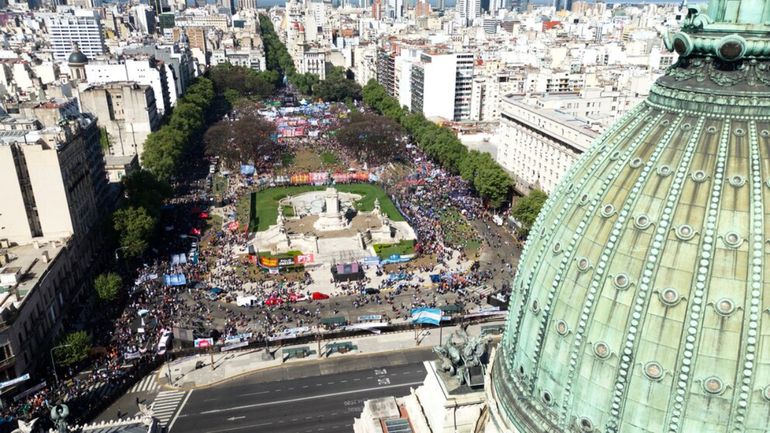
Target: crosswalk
<point>166,405</point>
<point>101,390</point>
<point>148,384</point>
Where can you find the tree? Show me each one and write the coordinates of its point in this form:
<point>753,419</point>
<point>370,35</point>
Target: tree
<point>107,286</point>
<point>74,348</point>
<point>143,189</point>
<point>337,87</point>
<point>376,138</point>
<point>492,183</point>
<point>246,138</point>
<point>134,226</point>
<point>162,151</point>
<point>527,208</point>
<point>304,82</point>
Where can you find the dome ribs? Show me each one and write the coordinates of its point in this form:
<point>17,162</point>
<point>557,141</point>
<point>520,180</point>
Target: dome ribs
<point>521,296</point>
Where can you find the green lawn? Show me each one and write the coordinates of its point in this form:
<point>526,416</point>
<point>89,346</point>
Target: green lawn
<point>265,206</point>
<point>457,232</point>
<point>329,158</point>
<point>402,248</point>
<point>219,186</point>
<point>370,192</point>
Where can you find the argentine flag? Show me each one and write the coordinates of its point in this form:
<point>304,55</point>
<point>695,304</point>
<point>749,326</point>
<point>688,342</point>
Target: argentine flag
<point>430,316</point>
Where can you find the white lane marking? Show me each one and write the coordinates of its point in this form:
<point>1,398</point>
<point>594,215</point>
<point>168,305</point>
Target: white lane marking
<point>271,403</point>
<point>173,420</point>
<point>253,393</point>
<point>240,428</point>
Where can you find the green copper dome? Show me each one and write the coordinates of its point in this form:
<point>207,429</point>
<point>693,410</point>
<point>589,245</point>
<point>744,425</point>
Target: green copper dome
<point>641,303</point>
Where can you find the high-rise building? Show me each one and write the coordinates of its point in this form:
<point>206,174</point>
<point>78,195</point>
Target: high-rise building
<point>76,26</point>
<point>467,11</point>
<point>126,110</point>
<point>54,194</point>
<point>562,5</point>
<point>640,301</point>
<point>463,85</point>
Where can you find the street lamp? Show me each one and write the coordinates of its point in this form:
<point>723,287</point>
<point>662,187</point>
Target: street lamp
<point>53,363</point>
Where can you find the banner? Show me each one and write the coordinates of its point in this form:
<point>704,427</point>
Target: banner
<point>232,346</point>
<point>175,280</point>
<point>304,259</point>
<point>15,381</point>
<point>431,316</point>
<point>132,355</point>
<point>203,342</point>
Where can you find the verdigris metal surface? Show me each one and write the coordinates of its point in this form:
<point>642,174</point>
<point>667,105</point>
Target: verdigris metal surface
<point>641,303</point>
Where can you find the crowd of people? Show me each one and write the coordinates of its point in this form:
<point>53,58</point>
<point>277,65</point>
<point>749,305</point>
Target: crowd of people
<point>423,194</point>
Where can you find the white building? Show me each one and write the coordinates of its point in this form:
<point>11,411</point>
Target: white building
<point>539,145</point>
<point>314,62</point>
<point>432,84</point>
<point>468,11</point>
<point>79,26</point>
<point>142,71</point>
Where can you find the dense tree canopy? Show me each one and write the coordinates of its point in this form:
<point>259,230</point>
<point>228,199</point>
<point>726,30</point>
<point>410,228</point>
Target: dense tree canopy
<point>243,81</point>
<point>164,149</point>
<point>240,140</point>
<point>337,87</point>
<point>441,144</point>
<point>74,348</point>
<point>107,286</point>
<point>375,138</point>
<point>527,208</point>
<point>134,227</point>
<point>142,189</point>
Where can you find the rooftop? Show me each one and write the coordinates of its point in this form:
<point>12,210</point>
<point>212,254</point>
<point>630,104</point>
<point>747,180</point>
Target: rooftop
<point>27,264</point>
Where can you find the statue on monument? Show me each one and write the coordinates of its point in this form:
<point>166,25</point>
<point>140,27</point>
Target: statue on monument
<point>460,353</point>
<point>59,414</point>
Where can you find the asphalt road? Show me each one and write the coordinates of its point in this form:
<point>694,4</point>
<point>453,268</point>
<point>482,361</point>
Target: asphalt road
<point>317,397</point>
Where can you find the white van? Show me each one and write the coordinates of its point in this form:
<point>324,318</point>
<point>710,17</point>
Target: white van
<point>247,301</point>
<point>165,341</point>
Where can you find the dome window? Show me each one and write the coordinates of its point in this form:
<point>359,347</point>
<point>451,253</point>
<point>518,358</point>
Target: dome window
<point>764,133</point>
<point>653,370</point>
<point>669,297</point>
<point>535,306</point>
<point>713,385</point>
<point>562,328</point>
<point>642,222</point>
<point>636,163</point>
<point>739,132</point>
<point>557,248</point>
<point>583,199</point>
<point>685,232</point>
<point>733,240</point>
<point>664,170</point>
<point>608,210</point>
<point>583,264</point>
<point>724,307</point>
<point>546,397</point>
<point>686,127</point>
<point>711,130</point>
<point>601,350</point>
<point>664,122</point>
<point>737,181</point>
<point>766,393</point>
<point>622,281</point>
<point>698,176</point>
<point>585,425</point>
<point>615,155</point>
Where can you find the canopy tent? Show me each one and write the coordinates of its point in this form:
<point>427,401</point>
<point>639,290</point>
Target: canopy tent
<point>175,280</point>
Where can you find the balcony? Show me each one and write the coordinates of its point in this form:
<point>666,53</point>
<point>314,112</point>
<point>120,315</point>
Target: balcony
<point>7,362</point>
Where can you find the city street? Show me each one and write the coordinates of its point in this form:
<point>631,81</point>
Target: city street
<point>314,397</point>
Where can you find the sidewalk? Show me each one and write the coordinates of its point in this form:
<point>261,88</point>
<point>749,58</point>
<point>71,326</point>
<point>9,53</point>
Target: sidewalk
<point>230,365</point>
